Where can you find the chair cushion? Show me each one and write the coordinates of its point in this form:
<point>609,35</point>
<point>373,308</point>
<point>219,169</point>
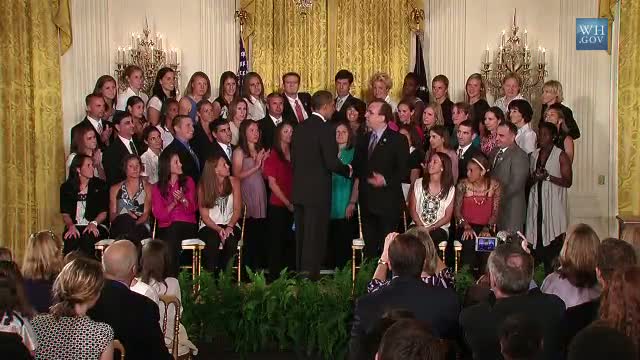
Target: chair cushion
<point>358,242</point>
<point>457,245</point>
<point>193,242</point>
<point>442,245</point>
<point>144,242</point>
<point>104,242</point>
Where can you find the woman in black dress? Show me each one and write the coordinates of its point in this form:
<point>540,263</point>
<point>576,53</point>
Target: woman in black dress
<point>476,96</point>
<point>228,92</point>
<point>552,95</point>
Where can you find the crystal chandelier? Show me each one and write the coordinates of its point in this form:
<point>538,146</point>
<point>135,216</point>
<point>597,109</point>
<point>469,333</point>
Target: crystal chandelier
<point>514,56</point>
<point>146,50</point>
<point>304,6</point>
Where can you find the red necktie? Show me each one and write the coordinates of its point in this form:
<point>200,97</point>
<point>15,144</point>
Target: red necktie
<point>299,114</point>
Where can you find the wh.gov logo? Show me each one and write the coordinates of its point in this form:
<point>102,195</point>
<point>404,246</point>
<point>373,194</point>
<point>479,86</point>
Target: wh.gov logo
<point>592,34</point>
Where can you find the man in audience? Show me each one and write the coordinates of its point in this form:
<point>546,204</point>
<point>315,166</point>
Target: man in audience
<point>122,146</point>
<point>314,157</point>
<point>410,340</point>
<point>436,306</point>
<point>599,342</point>
<point>183,128</point>
<point>274,118</point>
<point>133,317</point>
<point>510,166</point>
<point>95,108</point>
<point>344,99</point>
<point>379,163</point>
<point>520,338</point>
<point>510,273</point>
<point>222,133</point>
<point>297,105</point>
<point>466,150</point>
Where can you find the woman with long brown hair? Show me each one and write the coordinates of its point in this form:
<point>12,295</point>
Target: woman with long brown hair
<point>439,143</point>
<point>85,142</point>
<point>107,87</point>
<point>253,93</point>
<point>620,303</point>
<point>431,116</point>
<point>164,88</point>
<point>238,110</point>
<point>15,310</point>
<point>228,91</point>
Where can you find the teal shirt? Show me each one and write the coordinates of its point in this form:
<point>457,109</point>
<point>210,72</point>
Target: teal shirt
<point>341,187</point>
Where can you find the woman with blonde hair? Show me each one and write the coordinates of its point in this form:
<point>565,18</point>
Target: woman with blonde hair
<point>41,264</point>
<point>476,96</point>
<point>381,85</point>
<point>440,92</point>
<point>552,96</point>
<point>75,291</point>
<point>134,79</point>
<point>431,116</point>
<point>575,280</point>
<point>198,88</point>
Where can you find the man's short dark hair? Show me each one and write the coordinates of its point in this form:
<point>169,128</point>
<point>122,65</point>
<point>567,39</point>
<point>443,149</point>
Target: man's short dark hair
<point>344,74</point>
<point>410,339</point>
<point>217,123</point>
<point>412,76</point>
<point>511,268</point>
<point>119,116</point>
<point>320,99</point>
<point>385,109</point>
<point>87,99</point>
<point>274,95</point>
<point>178,119</point>
<point>291,73</point>
<point>598,342</point>
<point>520,337</point>
<point>406,255</point>
<point>468,123</point>
<point>614,254</point>
<point>511,127</point>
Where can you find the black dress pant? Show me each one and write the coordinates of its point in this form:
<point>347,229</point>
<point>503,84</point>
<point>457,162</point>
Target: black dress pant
<point>375,229</point>
<point>125,227</point>
<point>282,245</point>
<point>255,243</point>
<point>341,235</point>
<point>85,242</point>
<point>214,257</point>
<point>173,236</point>
<point>312,224</point>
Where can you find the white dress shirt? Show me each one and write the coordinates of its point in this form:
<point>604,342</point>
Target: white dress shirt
<point>292,102</point>
<point>127,143</point>
<point>226,148</point>
<point>276,121</point>
<point>124,96</point>
<point>526,139</point>
<point>97,124</point>
<point>320,116</point>
<point>340,100</point>
<point>150,162</point>
<point>146,290</point>
<point>256,108</point>
<point>464,150</point>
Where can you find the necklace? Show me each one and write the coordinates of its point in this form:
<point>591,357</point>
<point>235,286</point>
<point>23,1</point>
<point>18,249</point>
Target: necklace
<point>430,207</point>
<point>482,193</point>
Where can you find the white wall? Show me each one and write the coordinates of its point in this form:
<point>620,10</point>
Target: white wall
<point>204,30</point>
<point>458,31</point>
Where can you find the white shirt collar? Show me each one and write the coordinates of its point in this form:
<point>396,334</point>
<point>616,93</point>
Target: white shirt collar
<point>320,116</point>
<point>380,132</point>
<point>126,143</point>
<point>275,120</point>
<point>343,98</point>
<point>291,99</point>
<point>94,122</point>
<point>524,128</point>
<point>150,153</point>
<point>223,146</point>
<point>465,148</point>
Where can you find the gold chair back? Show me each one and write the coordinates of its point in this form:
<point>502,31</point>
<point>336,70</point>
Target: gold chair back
<point>117,346</point>
<point>238,267</point>
<point>167,300</point>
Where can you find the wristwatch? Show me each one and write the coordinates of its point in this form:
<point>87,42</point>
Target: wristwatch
<point>385,263</point>
<point>94,223</point>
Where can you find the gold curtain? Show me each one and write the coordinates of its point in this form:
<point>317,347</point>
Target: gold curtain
<point>628,105</point>
<point>31,149</point>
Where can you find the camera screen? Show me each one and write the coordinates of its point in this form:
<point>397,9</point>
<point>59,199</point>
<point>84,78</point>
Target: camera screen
<point>486,244</point>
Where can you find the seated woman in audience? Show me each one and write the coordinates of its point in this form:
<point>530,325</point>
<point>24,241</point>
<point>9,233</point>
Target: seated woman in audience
<point>237,114</point>
<point>511,85</point>
<point>431,198</point>
<point>135,107</point>
<point>198,88</point>
<point>551,176</point>
<point>461,112</point>
<point>133,78</point>
<point>440,93</point>
<point>492,119</point>
<point>247,165</point>
<point>107,87</point>
<point>279,175</point>
<point>355,116</point>
<point>220,210</point>
<point>520,113</point>
<point>154,271</point>
<point>552,96</point>
<point>228,91</point>
<point>431,117</point>
<point>84,142</point>
<point>476,208</point>
<point>476,96</point>
<point>164,88</point>
<point>253,93</point>
<point>439,142</point>
<point>174,205</point>
<point>620,304</point>
<point>169,112</point>
<point>130,203</point>
<point>84,201</point>
<point>416,157</point>
<point>15,310</point>
<point>153,140</point>
<point>563,140</point>
<point>75,291</point>
<point>434,271</point>
<point>575,280</point>
<point>380,86</point>
<point>41,264</point>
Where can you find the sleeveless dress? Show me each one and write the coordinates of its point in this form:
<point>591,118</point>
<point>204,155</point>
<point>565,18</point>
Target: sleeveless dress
<point>193,113</point>
<point>221,212</point>
<point>125,202</point>
<point>254,192</point>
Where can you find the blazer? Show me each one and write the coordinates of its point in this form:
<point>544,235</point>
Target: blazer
<point>289,113</point>
<point>314,157</point>
<point>438,307</point>
<point>135,321</point>
<point>189,165</point>
<point>86,122</point>
<point>201,145</point>
<point>97,199</point>
<point>389,158</point>
<point>112,161</point>
<point>217,149</point>
<point>341,115</point>
<point>268,129</point>
<point>512,172</point>
<point>466,157</point>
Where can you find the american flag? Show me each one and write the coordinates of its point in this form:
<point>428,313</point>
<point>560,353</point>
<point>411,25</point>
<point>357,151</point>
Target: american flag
<point>243,65</point>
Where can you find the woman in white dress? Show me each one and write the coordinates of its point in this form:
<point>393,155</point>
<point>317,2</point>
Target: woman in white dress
<point>253,93</point>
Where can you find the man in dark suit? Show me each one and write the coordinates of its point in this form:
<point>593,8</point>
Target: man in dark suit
<point>133,317</point>
<point>297,105</point>
<point>122,146</point>
<point>439,307</point>
<point>183,128</point>
<point>510,273</point>
<point>380,162</point>
<point>275,104</point>
<point>344,99</point>
<point>510,166</point>
<point>222,133</point>
<point>314,157</point>
<point>95,111</point>
<point>466,150</point>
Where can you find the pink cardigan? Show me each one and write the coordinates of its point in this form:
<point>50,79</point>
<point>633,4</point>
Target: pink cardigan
<point>180,212</point>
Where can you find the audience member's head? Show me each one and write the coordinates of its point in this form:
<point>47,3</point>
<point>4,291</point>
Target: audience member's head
<point>42,256</point>
<point>383,324</point>
<point>77,288</point>
<point>343,81</point>
<point>613,254</point>
<point>380,84</point>
<point>379,114</point>
<point>5,254</point>
<point>431,255</point>
<point>119,261</point>
<point>322,102</point>
<point>506,134</point>
<point>597,342</point>
<point>578,256</point>
<point>620,303</point>
<point>520,338</point>
<point>410,340</point>
<point>406,256</point>
<point>12,294</point>
<point>154,262</point>
<point>221,130</point>
<point>275,104</point>
<point>183,127</point>
<point>75,254</point>
<point>510,270</point>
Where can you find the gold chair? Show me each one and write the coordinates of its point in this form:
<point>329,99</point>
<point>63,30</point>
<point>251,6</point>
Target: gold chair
<point>167,300</point>
<point>457,248</point>
<point>117,346</point>
<point>195,245</point>
<point>357,245</point>
<point>101,246</point>
<point>238,266</point>
<point>442,246</point>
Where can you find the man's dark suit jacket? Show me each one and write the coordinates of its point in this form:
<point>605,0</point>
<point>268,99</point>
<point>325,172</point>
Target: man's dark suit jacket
<point>314,157</point>
<point>481,323</point>
<point>389,158</point>
<point>189,166</point>
<point>438,307</point>
<point>134,319</point>
<point>268,130</point>
<point>201,144</point>
<point>466,157</point>
<point>85,122</point>
<point>289,112</point>
<point>351,100</point>
<point>217,149</point>
<point>112,161</point>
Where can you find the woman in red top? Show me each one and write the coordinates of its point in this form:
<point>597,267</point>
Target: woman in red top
<point>279,175</point>
<point>476,206</point>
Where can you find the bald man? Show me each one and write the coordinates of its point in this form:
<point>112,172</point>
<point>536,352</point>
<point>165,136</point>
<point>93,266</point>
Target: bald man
<point>133,317</point>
